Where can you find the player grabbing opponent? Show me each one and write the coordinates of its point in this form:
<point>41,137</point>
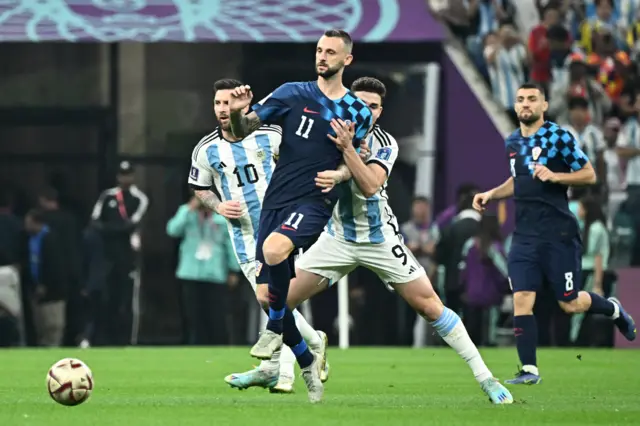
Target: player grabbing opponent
<point>295,211</point>
<point>364,232</point>
<point>545,160</point>
<point>241,170</point>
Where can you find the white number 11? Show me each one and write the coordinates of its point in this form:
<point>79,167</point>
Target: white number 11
<point>299,132</point>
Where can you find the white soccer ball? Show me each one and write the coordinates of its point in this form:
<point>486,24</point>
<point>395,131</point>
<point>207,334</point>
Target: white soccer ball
<point>70,382</point>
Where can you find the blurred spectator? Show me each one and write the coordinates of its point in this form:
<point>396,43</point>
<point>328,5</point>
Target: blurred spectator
<point>629,149</point>
<point>117,215</point>
<point>66,228</point>
<point>615,177</point>
<point>576,82</point>
<point>464,226</point>
<point>506,58</point>
<point>10,303</point>
<point>589,136</point>
<point>207,268</point>
<point>602,27</point>
<point>93,277</point>
<point>46,265</point>
<point>456,14</point>
<point>595,258</point>
<point>416,233</point>
<point>10,229</point>
<point>539,46</point>
<point>483,278</point>
<point>630,87</point>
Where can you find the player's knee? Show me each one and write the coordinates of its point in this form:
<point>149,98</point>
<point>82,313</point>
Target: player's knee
<point>572,307</point>
<point>276,249</point>
<point>523,302</point>
<point>262,295</point>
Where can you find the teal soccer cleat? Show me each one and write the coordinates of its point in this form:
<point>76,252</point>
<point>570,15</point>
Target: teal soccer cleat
<point>256,377</point>
<point>497,393</point>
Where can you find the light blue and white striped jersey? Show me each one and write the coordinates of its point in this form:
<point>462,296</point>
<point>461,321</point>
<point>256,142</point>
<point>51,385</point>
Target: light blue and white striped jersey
<point>358,219</point>
<point>630,138</point>
<point>240,171</point>
<point>507,74</point>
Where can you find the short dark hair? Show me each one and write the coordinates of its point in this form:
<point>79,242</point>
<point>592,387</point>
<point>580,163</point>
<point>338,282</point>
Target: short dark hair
<point>49,194</point>
<point>578,102</point>
<point>533,85</point>
<point>36,215</point>
<point>346,38</point>
<point>421,199</point>
<point>369,84</point>
<point>226,84</point>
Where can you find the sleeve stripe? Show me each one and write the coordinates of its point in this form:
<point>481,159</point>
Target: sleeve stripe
<point>383,137</point>
<point>379,163</point>
<point>142,207</point>
<point>210,137</point>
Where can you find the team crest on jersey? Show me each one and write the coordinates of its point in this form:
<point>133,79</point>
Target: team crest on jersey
<point>535,152</point>
<point>384,154</point>
<point>260,154</point>
<point>258,268</point>
<point>194,173</point>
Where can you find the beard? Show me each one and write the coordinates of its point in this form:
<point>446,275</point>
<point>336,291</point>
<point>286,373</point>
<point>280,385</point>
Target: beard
<point>532,118</point>
<point>225,126</point>
<point>330,71</point>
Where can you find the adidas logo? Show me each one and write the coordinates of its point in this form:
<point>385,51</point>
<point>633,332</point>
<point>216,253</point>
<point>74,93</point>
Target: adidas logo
<point>412,270</point>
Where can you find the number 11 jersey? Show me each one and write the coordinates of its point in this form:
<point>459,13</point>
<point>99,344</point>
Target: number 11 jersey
<point>305,114</point>
<point>240,171</point>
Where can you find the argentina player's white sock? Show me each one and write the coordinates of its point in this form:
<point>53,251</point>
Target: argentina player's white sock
<point>309,334</point>
<point>450,327</point>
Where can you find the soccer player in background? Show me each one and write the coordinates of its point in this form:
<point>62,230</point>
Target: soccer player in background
<point>295,211</point>
<point>241,170</point>
<point>545,160</point>
<point>363,231</point>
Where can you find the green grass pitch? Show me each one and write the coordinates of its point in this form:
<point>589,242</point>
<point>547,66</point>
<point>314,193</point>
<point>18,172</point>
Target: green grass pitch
<point>372,386</point>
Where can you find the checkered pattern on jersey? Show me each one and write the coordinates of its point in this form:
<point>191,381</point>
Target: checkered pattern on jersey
<point>554,141</point>
<point>349,107</point>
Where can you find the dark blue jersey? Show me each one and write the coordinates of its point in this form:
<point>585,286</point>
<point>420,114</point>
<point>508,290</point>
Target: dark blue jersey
<point>542,208</point>
<point>305,113</point>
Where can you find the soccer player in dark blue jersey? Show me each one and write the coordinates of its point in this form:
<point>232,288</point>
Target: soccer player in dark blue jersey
<point>295,210</point>
<point>545,160</point>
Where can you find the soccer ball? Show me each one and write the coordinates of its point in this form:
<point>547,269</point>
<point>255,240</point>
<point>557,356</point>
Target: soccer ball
<point>70,382</point>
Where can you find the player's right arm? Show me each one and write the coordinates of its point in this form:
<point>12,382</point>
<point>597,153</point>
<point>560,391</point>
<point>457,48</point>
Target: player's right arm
<point>267,111</point>
<point>498,193</point>
<point>201,181</point>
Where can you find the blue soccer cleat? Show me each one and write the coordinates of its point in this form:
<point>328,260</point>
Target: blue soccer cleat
<point>497,393</point>
<point>524,378</point>
<point>256,377</point>
<point>624,322</point>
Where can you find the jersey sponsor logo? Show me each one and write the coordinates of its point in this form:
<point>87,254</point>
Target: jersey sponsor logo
<point>308,111</point>
<point>512,154</point>
<point>384,154</point>
<point>194,173</point>
<point>287,228</point>
<point>260,154</point>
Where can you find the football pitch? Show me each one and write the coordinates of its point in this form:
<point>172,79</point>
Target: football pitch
<point>372,386</point>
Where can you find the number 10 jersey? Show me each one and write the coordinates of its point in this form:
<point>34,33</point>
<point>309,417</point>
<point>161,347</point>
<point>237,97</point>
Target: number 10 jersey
<point>240,171</point>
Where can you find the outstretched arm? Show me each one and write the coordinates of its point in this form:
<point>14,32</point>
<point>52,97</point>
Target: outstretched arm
<point>503,191</point>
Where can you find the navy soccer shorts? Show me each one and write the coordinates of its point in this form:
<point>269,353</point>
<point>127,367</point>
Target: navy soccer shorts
<point>533,262</point>
<point>302,224</point>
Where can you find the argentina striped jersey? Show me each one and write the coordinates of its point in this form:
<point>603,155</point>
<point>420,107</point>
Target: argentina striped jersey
<point>240,171</point>
<point>358,219</point>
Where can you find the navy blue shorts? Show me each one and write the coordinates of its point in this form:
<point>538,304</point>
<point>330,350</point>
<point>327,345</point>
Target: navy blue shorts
<point>302,224</point>
<point>533,262</point>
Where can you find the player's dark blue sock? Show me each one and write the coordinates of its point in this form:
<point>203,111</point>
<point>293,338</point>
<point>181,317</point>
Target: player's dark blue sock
<point>292,338</point>
<point>526,331</point>
<point>279,276</point>
<point>600,305</point>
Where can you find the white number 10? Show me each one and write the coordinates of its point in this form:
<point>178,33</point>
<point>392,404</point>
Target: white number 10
<point>305,133</point>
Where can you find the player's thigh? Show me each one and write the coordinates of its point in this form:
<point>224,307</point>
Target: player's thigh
<point>391,261</point>
<point>304,286</point>
<point>525,273</point>
<point>328,258</point>
<point>562,268</point>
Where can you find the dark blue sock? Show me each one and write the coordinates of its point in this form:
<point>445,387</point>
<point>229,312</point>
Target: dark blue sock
<point>526,331</point>
<point>279,276</point>
<point>600,305</point>
<point>293,339</point>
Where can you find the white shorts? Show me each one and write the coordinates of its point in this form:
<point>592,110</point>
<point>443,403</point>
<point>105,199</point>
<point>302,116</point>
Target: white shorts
<point>392,261</point>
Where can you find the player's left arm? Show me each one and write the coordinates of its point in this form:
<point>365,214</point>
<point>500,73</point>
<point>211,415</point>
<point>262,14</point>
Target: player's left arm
<point>582,170</point>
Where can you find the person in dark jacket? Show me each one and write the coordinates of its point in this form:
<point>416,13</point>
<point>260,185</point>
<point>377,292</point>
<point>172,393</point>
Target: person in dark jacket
<point>94,275</point>
<point>66,227</point>
<point>46,266</point>
<point>464,225</point>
